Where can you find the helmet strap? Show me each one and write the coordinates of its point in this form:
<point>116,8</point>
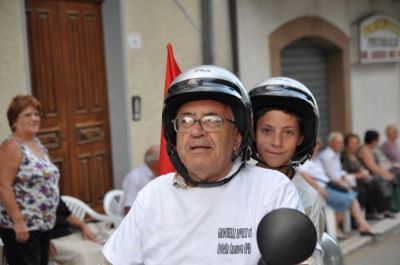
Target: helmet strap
<point>181,169</point>
<point>290,164</point>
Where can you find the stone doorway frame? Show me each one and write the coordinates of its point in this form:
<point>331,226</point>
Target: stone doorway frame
<point>336,43</point>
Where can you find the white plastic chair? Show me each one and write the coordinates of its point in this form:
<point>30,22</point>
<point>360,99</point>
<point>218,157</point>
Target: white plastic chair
<point>330,220</point>
<point>80,209</point>
<point>113,205</point>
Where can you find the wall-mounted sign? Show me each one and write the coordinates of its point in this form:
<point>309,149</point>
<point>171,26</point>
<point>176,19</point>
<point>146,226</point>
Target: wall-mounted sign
<point>379,39</point>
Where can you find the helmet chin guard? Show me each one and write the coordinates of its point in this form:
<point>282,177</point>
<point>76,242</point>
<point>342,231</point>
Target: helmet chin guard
<point>208,82</point>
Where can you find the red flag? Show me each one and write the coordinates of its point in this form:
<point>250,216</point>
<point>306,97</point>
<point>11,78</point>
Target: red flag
<point>172,71</point>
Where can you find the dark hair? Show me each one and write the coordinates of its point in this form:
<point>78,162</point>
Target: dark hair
<point>371,136</point>
<point>18,104</point>
<point>348,136</point>
<point>259,113</point>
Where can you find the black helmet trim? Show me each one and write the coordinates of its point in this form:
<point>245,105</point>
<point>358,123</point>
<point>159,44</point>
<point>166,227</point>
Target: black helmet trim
<point>178,101</point>
<point>183,92</point>
<point>294,100</point>
<point>208,83</point>
<point>183,171</point>
<point>206,94</point>
<point>282,91</point>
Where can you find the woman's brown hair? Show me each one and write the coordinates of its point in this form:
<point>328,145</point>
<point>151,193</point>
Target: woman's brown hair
<point>18,104</point>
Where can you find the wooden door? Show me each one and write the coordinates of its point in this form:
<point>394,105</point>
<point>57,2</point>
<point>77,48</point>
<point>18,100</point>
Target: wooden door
<point>68,77</point>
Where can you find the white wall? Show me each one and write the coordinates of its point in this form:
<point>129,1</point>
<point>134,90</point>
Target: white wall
<point>158,23</point>
<point>119,108</point>
<point>375,97</point>
<point>179,22</point>
<point>13,74</point>
<point>375,89</point>
<point>259,18</point>
<point>130,72</point>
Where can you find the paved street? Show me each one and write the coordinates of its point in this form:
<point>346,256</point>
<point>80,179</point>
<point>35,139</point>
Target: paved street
<point>383,250</point>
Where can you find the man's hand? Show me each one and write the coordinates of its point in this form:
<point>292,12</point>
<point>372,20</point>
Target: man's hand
<point>344,183</point>
<point>389,176</point>
<point>364,174</point>
<point>323,193</point>
<point>88,234</point>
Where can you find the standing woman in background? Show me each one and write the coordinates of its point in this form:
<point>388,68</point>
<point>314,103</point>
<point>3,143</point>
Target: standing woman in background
<point>28,187</point>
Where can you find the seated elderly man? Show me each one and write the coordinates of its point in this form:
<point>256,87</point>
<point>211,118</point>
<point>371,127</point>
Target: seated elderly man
<point>140,176</point>
<point>67,247</point>
<point>207,212</point>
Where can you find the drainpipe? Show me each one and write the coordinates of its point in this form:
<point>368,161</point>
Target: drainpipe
<point>234,35</point>
<point>207,32</point>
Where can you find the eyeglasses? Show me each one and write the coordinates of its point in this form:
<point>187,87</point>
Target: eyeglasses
<point>209,123</point>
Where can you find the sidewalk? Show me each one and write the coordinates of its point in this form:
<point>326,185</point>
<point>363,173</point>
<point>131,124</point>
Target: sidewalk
<point>356,241</point>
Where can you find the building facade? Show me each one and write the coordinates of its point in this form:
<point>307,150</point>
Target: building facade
<point>315,41</point>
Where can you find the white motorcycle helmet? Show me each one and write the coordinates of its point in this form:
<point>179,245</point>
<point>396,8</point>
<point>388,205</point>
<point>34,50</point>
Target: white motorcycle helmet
<point>207,82</point>
<point>289,94</point>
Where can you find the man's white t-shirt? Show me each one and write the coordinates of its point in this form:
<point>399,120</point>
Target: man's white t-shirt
<point>218,225</point>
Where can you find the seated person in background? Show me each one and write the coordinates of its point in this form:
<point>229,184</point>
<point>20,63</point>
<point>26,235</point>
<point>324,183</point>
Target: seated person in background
<point>383,159</point>
<point>370,159</point>
<point>390,147</point>
<point>370,193</point>
<point>341,201</point>
<point>68,247</point>
<point>388,165</point>
<point>140,176</point>
<point>330,160</point>
<point>371,162</point>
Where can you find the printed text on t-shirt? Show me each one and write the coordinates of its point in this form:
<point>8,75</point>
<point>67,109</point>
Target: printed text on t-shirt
<point>234,233</point>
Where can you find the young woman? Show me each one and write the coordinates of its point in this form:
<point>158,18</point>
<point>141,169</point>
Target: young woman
<point>286,126</point>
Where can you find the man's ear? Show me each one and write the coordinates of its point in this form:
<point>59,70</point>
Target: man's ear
<point>238,140</point>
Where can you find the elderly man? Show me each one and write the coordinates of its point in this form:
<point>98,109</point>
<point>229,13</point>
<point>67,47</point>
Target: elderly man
<point>140,176</point>
<point>330,159</point>
<point>208,212</point>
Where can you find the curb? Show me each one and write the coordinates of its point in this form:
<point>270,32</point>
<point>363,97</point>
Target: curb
<point>357,241</point>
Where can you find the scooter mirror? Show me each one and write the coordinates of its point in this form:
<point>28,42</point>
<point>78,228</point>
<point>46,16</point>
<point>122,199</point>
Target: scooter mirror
<point>332,253</point>
<point>285,237</point>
